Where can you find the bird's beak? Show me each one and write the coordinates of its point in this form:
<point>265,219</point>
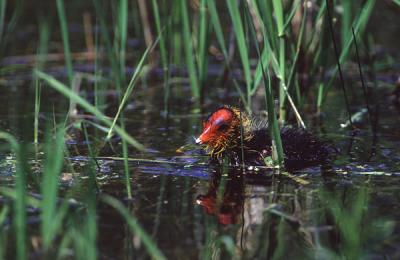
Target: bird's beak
<point>198,140</point>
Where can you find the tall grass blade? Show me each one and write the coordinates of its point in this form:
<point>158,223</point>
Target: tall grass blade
<point>42,50</point>
<point>107,40</point>
<point>122,33</point>
<point>51,172</point>
<point>163,49</point>
<point>3,5</point>
<point>359,27</point>
<point>212,9</point>
<point>126,164</point>
<point>278,44</point>
<point>188,46</point>
<point>338,61</point>
<point>202,44</point>
<point>65,39</point>
<point>363,83</point>
<point>60,87</point>
<point>273,127</point>
<point>130,87</point>
<point>149,244</point>
<point>241,43</point>
<point>20,200</point>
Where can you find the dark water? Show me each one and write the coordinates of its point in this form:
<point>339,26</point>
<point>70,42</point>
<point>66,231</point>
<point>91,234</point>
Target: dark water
<point>194,209</point>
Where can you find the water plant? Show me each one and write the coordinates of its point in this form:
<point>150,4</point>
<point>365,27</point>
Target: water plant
<point>80,98</point>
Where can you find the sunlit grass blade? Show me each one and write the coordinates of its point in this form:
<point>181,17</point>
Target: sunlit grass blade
<point>60,87</point>
<point>130,87</point>
<point>279,16</point>
<point>149,244</point>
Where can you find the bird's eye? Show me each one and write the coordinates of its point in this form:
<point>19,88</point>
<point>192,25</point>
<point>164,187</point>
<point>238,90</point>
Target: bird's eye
<point>223,127</point>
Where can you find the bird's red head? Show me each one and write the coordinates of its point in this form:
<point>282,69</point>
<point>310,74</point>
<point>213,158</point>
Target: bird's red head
<point>215,126</point>
<point>221,130</point>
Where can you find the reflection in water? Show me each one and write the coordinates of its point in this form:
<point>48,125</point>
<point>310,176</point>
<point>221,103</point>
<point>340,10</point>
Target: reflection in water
<point>263,227</point>
<point>228,206</point>
<point>273,217</point>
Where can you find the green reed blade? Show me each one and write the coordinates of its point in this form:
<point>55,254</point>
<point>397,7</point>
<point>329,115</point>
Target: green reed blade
<point>20,199</point>
<point>163,49</point>
<point>215,21</point>
<point>188,46</point>
<point>359,24</point>
<point>292,69</point>
<point>273,127</point>
<point>295,5</point>
<point>65,39</point>
<point>278,10</point>
<point>133,224</point>
<point>41,52</point>
<point>125,155</point>
<point>217,27</point>
<point>122,33</point>
<point>3,4</point>
<point>266,15</point>
<point>241,43</point>
<point>202,43</point>
<point>131,85</point>
<point>60,87</point>
<point>279,17</point>
<point>347,15</point>
<point>110,50</point>
<point>267,55</point>
<point>54,152</point>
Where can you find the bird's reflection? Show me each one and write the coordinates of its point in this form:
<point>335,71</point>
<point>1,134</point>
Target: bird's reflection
<point>225,197</point>
<point>228,205</point>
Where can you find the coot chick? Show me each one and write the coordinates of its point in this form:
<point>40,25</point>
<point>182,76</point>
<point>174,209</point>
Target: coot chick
<point>221,137</point>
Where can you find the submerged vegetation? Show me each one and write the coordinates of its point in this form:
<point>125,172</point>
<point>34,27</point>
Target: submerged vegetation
<point>91,96</point>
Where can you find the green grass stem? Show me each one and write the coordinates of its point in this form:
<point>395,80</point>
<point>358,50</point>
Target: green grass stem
<point>130,87</point>
<point>20,200</point>
<point>50,222</point>
<point>242,44</point>
<point>65,38</point>
<point>64,90</point>
<point>188,47</point>
<point>133,224</point>
<point>273,127</point>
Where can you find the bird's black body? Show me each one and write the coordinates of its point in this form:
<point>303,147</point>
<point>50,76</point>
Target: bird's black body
<point>301,149</point>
